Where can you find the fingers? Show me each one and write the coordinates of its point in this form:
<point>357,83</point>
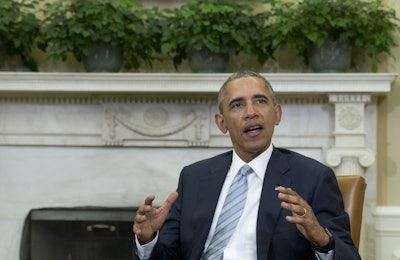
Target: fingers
<point>147,207</point>
<point>143,210</point>
<point>149,219</point>
<point>171,199</point>
<point>149,200</point>
<point>302,214</point>
<point>168,202</point>
<point>288,195</point>
<point>142,215</point>
<point>292,201</point>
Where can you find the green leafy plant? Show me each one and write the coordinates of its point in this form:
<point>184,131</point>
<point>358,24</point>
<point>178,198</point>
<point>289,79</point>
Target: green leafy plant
<point>367,25</point>
<point>220,26</point>
<point>19,29</point>
<point>72,26</point>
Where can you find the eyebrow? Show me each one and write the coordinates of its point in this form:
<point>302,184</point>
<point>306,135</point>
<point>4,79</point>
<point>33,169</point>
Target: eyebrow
<point>242,98</point>
<point>261,96</point>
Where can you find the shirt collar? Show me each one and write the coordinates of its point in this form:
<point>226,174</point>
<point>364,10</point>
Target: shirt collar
<point>258,164</point>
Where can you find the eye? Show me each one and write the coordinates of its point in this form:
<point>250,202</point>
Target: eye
<point>261,101</point>
<point>236,105</point>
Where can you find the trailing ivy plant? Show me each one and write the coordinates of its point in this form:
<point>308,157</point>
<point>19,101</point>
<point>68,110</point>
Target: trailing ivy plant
<point>19,29</point>
<point>72,26</point>
<point>367,25</point>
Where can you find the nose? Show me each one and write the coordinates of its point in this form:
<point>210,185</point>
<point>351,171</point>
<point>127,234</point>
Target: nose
<point>250,111</point>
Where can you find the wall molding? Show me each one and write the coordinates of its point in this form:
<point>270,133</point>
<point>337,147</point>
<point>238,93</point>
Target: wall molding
<point>387,232</point>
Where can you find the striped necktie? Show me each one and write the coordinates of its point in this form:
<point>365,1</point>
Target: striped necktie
<point>230,214</point>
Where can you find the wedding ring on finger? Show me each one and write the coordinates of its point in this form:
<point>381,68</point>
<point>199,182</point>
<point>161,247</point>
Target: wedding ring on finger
<point>304,214</point>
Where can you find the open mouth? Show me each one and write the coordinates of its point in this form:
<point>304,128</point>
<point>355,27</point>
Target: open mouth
<point>253,129</point>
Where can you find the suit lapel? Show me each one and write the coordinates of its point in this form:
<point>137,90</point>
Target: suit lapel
<point>270,208</point>
<point>209,188</point>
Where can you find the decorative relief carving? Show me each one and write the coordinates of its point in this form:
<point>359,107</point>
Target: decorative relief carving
<point>302,100</point>
<point>349,117</point>
<point>88,99</point>
<point>349,98</point>
<point>111,125</point>
<point>91,99</point>
<point>340,158</point>
<point>150,128</point>
<point>168,123</point>
<point>333,158</point>
<point>49,99</point>
<point>349,155</point>
<point>164,99</point>
<point>366,157</point>
<point>155,117</point>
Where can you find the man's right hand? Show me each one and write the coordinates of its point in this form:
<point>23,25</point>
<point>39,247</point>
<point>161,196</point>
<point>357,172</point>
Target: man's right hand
<point>149,220</point>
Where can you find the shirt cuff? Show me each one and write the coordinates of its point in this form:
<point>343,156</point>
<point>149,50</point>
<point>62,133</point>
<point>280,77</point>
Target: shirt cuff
<point>324,256</point>
<point>144,251</point>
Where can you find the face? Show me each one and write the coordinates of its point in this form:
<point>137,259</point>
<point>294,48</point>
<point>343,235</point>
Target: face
<point>249,115</point>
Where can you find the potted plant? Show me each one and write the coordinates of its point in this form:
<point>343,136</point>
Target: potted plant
<point>366,25</point>
<point>84,27</point>
<point>19,28</point>
<point>200,28</point>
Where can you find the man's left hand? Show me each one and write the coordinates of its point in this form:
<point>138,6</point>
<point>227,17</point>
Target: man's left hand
<point>303,216</point>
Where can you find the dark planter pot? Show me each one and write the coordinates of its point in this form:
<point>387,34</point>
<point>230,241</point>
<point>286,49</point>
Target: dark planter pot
<point>205,61</point>
<point>104,58</point>
<point>331,57</point>
<point>2,55</point>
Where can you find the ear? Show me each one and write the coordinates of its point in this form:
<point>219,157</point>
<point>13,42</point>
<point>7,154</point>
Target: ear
<point>220,122</point>
<point>278,114</point>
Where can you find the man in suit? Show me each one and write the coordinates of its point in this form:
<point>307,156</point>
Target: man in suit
<point>293,208</point>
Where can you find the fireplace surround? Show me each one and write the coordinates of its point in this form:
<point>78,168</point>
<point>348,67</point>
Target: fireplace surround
<point>72,140</point>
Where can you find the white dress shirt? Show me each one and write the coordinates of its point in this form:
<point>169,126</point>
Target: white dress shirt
<point>243,244</point>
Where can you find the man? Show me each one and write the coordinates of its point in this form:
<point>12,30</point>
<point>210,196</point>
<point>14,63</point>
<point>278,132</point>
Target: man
<point>292,207</point>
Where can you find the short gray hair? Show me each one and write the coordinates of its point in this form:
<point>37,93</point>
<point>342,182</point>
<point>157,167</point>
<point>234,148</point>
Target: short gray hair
<point>244,74</point>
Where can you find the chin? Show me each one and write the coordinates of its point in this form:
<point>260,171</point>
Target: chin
<point>256,150</point>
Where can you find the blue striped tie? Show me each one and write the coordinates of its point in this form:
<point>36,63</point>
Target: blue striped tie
<point>230,214</point>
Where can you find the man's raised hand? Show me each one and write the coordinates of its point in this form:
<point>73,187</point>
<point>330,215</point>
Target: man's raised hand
<point>149,220</point>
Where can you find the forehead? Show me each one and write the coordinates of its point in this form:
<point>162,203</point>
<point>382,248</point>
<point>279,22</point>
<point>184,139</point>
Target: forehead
<point>246,86</point>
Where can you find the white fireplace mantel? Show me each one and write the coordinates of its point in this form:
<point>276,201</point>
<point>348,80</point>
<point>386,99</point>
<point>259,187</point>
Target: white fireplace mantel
<point>61,135</point>
<point>175,110</point>
<point>373,83</point>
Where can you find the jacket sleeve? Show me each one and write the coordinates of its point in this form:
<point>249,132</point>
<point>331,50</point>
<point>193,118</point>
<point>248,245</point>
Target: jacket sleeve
<point>328,207</point>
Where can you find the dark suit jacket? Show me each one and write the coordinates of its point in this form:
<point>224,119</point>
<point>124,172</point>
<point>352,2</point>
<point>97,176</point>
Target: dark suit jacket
<point>185,231</point>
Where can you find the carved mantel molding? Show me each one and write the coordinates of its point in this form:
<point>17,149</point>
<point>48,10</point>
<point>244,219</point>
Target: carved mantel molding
<point>176,110</point>
<point>373,83</point>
